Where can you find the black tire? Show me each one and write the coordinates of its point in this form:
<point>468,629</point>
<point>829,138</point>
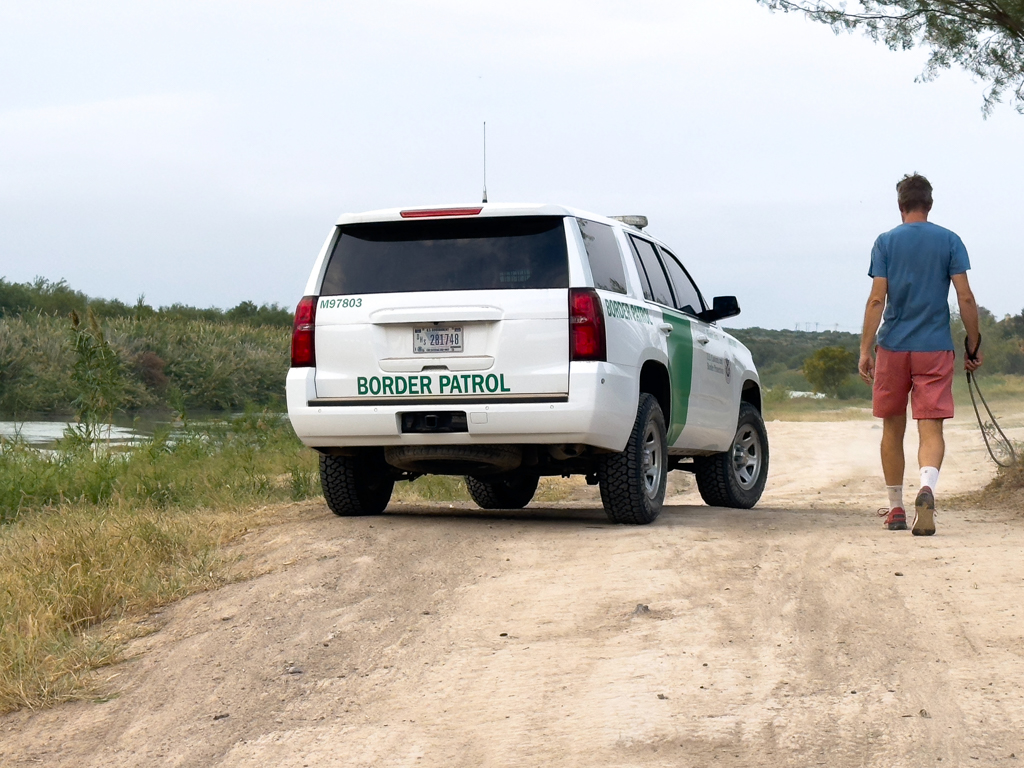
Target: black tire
<point>736,478</point>
<point>511,491</point>
<point>356,485</point>
<point>632,490</point>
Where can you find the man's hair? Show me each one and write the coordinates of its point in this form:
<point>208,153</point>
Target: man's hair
<point>914,192</point>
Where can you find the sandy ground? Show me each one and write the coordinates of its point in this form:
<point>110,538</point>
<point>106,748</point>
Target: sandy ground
<point>797,634</point>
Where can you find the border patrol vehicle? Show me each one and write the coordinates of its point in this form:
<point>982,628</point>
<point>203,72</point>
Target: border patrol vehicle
<point>508,342</point>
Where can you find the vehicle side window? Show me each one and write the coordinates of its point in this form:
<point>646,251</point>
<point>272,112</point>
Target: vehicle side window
<point>660,292</point>
<point>643,274</point>
<point>687,295</point>
<point>605,257</point>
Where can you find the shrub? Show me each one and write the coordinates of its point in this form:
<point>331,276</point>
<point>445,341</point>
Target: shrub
<point>828,368</point>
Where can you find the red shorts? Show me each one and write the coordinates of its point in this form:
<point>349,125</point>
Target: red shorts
<point>926,376</point>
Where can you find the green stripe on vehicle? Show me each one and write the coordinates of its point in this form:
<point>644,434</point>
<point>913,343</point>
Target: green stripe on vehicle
<point>680,355</point>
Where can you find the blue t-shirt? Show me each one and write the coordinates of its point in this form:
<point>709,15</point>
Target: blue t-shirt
<point>918,260</point>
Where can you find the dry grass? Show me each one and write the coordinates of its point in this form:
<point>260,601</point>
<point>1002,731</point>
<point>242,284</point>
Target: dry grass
<point>441,488</point>
<point>1006,490</point>
<point>431,488</point>
<point>552,490</point>
<point>94,535</point>
<point>73,587</point>
<point>63,574</point>
<point>805,409</point>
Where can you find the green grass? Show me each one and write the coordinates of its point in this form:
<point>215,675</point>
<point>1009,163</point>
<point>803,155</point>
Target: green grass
<point>250,458</point>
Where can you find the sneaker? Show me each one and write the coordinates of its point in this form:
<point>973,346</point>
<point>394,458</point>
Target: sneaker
<point>924,517</point>
<point>895,519</point>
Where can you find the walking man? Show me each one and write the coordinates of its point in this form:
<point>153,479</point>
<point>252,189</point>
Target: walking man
<point>911,269</point>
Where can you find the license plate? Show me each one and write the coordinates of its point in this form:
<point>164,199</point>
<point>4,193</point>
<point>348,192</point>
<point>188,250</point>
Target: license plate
<point>433,341</point>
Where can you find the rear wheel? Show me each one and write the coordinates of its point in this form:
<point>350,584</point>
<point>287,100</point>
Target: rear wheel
<point>736,478</point>
<point>356,485</point>
<point>511,491</point>
<point>633,481</point>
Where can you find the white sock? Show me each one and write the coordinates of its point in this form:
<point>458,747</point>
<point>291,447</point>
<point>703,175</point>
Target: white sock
<point>929,477</point>
<point>895,496</point>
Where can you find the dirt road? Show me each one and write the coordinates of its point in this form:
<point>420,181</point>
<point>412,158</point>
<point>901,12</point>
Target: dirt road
<point>800,633</point>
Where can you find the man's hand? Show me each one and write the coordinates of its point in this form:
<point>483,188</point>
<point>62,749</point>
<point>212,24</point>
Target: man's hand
<point>969,316</point>
<point>872,319</point>
<point>866,367</point>
<point>973,363</point>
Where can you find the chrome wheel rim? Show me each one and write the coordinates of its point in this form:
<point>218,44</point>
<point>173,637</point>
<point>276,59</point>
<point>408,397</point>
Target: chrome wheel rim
<point>652,461</point>
<point>746,456</point>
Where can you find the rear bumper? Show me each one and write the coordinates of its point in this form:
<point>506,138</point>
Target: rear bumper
<point>599,411</point>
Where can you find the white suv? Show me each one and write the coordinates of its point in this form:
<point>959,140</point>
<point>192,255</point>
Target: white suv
<point>506,342</point>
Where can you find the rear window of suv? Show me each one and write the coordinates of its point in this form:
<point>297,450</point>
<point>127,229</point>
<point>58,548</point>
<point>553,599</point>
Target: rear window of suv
<point>448,255</point>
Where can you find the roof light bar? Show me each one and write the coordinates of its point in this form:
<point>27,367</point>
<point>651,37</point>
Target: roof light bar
<point>639,222</point>
<point>424,213</point>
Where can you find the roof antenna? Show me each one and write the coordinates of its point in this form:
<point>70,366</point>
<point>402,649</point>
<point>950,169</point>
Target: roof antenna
<point>485,161</point>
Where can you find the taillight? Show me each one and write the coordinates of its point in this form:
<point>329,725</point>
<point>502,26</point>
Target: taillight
<point>586,325</point>
<point>303,349</point>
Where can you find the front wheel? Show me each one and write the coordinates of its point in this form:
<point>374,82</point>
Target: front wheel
<point>633,481</point>
<point>356,485</point>
<point>736,478</point>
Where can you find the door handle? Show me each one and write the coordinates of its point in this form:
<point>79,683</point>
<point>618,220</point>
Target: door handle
<point>702,339</point>
<point>665,328</point>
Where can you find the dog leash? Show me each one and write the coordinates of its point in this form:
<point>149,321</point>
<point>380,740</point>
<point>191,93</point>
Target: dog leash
<point>991,432</point>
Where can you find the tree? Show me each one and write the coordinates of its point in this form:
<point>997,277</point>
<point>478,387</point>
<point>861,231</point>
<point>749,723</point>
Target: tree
<point>984,37</point>
<point>828,368</point>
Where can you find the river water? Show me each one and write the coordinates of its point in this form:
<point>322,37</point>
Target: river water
<point>44,432</point>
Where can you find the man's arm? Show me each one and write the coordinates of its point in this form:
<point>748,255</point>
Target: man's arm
<point>872,319</point>
<point>969,316</point>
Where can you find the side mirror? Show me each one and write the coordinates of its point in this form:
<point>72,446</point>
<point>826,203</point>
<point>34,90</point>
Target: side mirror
<point>722,307</point>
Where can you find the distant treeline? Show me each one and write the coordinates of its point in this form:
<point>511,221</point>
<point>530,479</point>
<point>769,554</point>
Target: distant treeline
<point>57,298</point>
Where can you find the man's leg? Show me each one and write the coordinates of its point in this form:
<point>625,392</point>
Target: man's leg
<point>889,403</point>
<point>932,400</point>
<point>893,461</point>
<point>932,446</point>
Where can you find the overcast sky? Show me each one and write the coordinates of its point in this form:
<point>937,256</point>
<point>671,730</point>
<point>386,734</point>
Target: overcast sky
<point>200,152</point>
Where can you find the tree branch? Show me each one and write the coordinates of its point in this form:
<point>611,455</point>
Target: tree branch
<point>984,37</point>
